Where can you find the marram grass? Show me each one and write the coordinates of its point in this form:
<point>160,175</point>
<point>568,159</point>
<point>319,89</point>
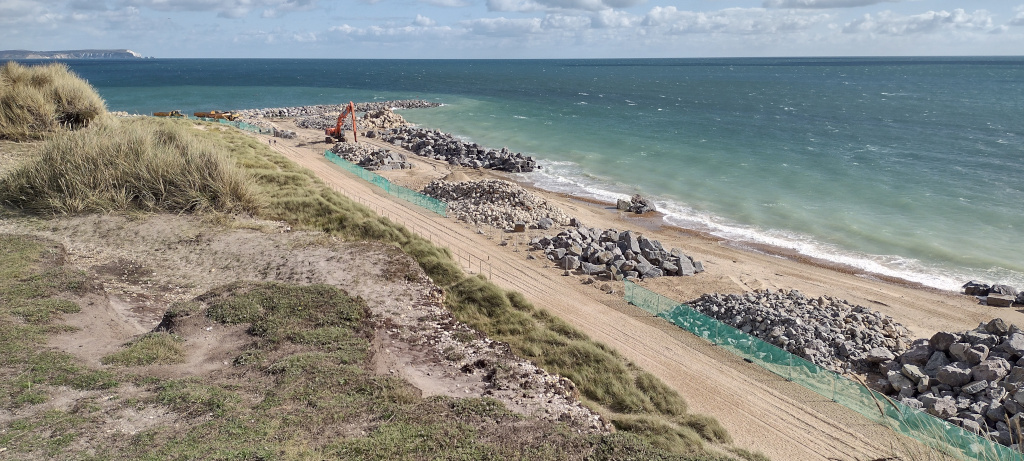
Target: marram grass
<point>35,100</point>
<point>129,165</point>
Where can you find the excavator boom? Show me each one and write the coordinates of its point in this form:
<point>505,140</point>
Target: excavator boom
<point>336,133</point>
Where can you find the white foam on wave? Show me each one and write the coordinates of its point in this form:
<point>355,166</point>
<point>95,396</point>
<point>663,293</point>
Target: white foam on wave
<point>569,178</point>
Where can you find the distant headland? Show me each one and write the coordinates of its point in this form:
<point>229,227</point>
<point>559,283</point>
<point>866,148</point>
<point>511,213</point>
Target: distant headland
<point>70,54</point>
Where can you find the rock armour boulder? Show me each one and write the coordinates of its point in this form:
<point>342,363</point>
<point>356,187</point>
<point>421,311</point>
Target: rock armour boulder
<point>497,203</point>
<point>319,117</point>
<point>443,146</point>
<point>974,379</point>
<point>830,332</point>
<point>615,255</point>
<point>374,159</point>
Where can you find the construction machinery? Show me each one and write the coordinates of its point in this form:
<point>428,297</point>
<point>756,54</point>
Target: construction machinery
<point>231,116</point>
<point>336,132</point>
<point>173,113</point>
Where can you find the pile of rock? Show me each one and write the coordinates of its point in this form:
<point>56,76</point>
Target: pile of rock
<point>497,203</point>
<point>321,122</point>
<point>995,295</point>
<point>636,204</point>
<point>374,159</point>
<point>332,110</point>
<point>443,146</point>
<point>383,119</point>
<point>974,379</point>
<point>286,134</point>
<point>614,254</point>
<point>830,332</point>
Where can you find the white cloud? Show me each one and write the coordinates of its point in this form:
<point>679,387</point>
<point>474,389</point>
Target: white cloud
<point>612,19</point>
<point>729,21</point>
<point>394,33</point>
<point>448,3</point>
<point>276,36</point>
<point>227,8</point>
<point>889,23</point>
<point>558,5</point>
<point>820,4</point>
<point>1018,19</point>
<point>423,21</point>
<point>522,6</point>
<point>565,23</point>
<point>503,27</point>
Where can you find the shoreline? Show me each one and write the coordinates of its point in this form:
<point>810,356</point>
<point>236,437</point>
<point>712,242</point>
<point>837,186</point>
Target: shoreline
<point>907,271</point>
<point>655,222</point>
<point>731,266</point>
<point>685,362</point>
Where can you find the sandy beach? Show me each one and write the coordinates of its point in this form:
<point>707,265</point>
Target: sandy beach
<point>761,410</point>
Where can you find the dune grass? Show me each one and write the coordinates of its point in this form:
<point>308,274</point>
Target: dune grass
<point>128,165</point>
<point>35,100</point>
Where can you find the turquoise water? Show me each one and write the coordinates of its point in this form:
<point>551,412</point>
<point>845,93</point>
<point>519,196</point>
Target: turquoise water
<point>908,167</point>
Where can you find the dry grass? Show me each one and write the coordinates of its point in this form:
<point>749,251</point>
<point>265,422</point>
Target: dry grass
<point>35,100</point>
<point>123,165</point>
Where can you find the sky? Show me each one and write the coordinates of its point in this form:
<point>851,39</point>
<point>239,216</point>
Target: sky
<point>511,29</point>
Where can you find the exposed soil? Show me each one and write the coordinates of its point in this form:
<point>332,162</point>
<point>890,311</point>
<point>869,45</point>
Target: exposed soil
<point>143,265</point>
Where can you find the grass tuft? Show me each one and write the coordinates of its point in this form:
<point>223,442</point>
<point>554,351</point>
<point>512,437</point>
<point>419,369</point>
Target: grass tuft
<point>159,348</point>
<point>39,99</point>
<point>127,165</point>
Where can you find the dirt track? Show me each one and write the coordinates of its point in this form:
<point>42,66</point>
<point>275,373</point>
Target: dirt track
<point>761,410</point>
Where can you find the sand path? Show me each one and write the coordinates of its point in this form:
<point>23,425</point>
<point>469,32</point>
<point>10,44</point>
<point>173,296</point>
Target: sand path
<point>762,411</point>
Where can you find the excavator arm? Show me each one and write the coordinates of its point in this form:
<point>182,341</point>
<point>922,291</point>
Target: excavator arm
<point>336,132</point>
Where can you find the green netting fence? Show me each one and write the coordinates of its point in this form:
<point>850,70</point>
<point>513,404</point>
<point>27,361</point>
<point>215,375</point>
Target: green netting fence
<point>940,435</point>
<point>403,193</point>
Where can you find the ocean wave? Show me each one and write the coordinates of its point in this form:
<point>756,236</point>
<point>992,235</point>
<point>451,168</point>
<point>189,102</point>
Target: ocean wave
<point>569,178</point>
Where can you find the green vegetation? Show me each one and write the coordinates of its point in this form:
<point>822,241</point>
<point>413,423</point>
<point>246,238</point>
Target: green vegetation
<point>159,348</point>
<point>305,391</point>
<point>35,100</point>
<point>33,280</point>
<point>123,165</point>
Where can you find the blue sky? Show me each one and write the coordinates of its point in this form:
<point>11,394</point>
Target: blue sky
<point>517,28</point>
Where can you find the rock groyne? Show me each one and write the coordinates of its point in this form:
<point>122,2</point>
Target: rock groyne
<point>333,110</point>
<point>443,146</point>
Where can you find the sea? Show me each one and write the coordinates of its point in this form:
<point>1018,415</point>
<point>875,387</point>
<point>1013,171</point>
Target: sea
<point>906,167</point>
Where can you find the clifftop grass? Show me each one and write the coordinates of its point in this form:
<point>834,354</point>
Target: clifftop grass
<point>35,100</point>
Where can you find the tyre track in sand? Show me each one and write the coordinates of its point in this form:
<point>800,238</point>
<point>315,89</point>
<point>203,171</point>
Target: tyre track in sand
<point>761,411</point>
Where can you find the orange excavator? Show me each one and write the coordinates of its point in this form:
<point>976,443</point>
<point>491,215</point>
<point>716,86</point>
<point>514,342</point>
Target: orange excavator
<point>336,133</point>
